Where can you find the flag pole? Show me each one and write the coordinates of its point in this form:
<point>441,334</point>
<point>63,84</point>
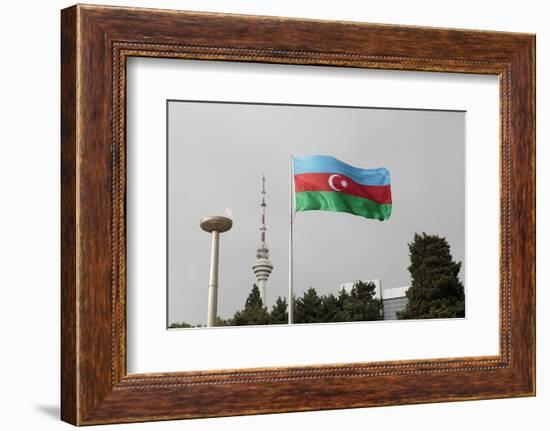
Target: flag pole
<point>291,246</point>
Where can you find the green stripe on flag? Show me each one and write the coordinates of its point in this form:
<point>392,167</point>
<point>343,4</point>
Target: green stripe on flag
<point>341,202</point>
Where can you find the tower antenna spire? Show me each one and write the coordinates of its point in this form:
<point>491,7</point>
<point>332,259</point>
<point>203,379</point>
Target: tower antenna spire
<point>263,228</point>
<point>262,268</point>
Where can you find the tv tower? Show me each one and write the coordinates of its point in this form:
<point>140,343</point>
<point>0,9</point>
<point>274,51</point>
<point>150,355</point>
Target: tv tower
<point>262,267</point>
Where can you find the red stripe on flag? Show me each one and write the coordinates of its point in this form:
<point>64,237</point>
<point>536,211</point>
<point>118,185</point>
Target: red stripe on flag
<point>323,182</point>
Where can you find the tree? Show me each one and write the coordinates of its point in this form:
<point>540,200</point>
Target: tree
<point>331,308</point>
<point>361,304</point>
<point>180,325</point>
<point>308,308</point>
<point>436,291</point>
<point>223,322</point>
<point>254,312</point>
<point>343,298</point>
<point>279,312</point>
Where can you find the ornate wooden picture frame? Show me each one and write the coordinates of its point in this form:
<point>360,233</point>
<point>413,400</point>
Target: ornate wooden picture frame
<point>96,41</point>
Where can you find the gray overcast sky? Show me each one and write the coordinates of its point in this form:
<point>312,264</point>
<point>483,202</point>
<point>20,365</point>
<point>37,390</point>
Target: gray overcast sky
<point>217,154</point>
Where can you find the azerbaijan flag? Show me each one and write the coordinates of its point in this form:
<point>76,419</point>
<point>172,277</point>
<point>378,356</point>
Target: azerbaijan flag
<point>327,184</point>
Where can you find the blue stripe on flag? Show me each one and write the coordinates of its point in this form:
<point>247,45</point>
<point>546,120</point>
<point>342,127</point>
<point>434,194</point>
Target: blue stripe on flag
<point>328,164</point>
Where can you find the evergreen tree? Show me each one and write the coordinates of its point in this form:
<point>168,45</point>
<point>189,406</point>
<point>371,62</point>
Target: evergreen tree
<point>343,298</point>
<point>279,312</point>
<point>180,325</point>
<point>357,305</point>
<point>308,308</point>
<point>223,322</point>
<point>331,308</point>
<point>254,312</point>
<point>436,291</point>
<point>361,304</point>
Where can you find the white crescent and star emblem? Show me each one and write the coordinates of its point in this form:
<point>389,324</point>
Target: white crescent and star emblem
<point>343,183</point>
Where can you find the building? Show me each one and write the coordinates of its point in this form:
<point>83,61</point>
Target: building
<point>262,268</point>
<point>394,299</point>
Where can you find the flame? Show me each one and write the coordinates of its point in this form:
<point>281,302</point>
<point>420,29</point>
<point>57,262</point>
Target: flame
<point>228,212</point>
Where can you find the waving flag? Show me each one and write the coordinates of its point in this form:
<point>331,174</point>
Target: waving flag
<point>327,184</point>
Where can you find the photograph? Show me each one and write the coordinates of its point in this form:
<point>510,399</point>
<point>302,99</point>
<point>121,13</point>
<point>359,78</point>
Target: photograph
<point>304,214</point>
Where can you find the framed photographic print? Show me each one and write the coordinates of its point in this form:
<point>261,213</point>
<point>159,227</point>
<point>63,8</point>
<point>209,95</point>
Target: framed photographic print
<point>267,215</point>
